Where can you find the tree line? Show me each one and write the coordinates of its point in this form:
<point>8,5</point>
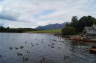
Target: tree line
<point>76,26</point>
<point>17,30</point>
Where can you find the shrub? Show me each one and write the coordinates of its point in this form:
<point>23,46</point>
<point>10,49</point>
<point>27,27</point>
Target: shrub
<point>68,30</point>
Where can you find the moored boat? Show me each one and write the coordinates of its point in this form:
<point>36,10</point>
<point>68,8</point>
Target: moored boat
<point>82,39</point>
<point>92,50</point>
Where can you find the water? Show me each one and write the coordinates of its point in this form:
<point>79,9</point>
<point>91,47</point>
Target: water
<point>34,48</point>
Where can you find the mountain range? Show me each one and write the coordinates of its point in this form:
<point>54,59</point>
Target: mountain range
<point>51,26</point>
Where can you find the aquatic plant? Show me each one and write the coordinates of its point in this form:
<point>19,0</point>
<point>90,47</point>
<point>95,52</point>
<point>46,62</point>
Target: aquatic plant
<point>52,46</point>
<point>25,59</point>
<point>21,47</point>
<point>10,48</point>
<point>16,48</point>
<point>19,54</point>
<point>0,55</point>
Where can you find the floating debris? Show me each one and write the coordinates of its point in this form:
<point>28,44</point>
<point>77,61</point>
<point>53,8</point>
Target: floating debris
<point>27,51</point>
<point>19,54</point>
<point>59,47</point>
<point>32,44</point>
<point>53,43</point>
<point>54,40</point>
<point>25,59</point>
<point>16,48</point>
<point>21,47</point>
<point>10,48</point>
<point>48,44</point>
<point>60,44</point>
<point>37,44</point>
<point>52,46</point>
<point>66,57</point>
<point>0,55</point>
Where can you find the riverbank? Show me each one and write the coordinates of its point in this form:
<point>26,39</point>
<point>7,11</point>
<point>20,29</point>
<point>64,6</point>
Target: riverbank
<point>80,38</point>
<point>34,47</point>
<point>53,31</point>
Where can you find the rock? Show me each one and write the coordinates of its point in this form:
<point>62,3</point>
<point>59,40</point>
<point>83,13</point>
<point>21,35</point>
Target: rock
<point>19,54</point>
<point>10,48</point>
<point>27,51</point>
<point>21,47</point>
<point>52,46</point>
<point>25,59</point>
<point>0,55</point>
<point>16,48</point>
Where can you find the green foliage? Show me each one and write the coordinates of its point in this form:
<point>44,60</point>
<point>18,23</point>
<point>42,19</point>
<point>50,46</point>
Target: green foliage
<point>19,30</point>
<point>68,31</point>
<point>47,31</point>
<point>85,21</point>
<point>78,25</point>
<point>74,22</point>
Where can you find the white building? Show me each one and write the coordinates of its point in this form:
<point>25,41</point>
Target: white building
<point>90,31</point>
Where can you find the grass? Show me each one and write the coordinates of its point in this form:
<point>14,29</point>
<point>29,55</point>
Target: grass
<point>47,31</point>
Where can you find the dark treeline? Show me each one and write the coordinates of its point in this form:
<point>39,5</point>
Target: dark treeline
<point>76,26</point>
<point>17,30</point>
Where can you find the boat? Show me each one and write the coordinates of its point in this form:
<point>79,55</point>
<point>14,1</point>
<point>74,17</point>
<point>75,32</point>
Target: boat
<point>82,39</point>
<point>92,50</point>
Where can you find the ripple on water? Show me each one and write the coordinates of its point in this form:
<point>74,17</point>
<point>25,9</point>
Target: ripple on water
<point>51,48</point>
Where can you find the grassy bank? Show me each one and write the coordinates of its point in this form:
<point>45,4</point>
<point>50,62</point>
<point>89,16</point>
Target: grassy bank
<point>46,31</point>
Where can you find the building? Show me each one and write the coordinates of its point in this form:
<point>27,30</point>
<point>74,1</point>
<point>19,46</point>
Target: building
<point>90,31</point>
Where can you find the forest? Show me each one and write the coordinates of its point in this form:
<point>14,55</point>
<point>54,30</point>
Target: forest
<point>76,26</point>
<point>15,30</point>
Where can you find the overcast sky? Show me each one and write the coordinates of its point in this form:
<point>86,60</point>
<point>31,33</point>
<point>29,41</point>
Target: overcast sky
<point>32,13</point>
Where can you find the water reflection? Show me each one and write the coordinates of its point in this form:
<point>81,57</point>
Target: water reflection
<point>38,48</point>
<point>80,51</point>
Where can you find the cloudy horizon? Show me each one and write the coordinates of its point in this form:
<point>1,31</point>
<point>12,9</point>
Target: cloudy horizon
<point>33,13</point>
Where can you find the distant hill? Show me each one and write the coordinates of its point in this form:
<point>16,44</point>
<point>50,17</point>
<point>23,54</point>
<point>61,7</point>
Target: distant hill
<point>51,26</point>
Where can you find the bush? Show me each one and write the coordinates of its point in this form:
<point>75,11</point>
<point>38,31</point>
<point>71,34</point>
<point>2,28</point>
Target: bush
<point>69,31</point>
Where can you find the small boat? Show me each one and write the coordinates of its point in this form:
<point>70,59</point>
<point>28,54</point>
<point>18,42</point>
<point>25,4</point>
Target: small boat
<point>89,40</point>
<point>82,39</point>
<point>92,50</point>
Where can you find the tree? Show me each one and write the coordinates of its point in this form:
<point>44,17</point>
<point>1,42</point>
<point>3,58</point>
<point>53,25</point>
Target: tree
<point>85,21</point>
<point>77,26</point>
<point>74,21</point>
<point>68,30</point>
<point>1,28</point>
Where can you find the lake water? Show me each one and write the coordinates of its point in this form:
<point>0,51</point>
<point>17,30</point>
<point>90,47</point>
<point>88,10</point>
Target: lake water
<point>35,48</point>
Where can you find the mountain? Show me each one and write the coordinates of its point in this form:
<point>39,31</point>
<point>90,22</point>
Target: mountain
<point>51,26</point>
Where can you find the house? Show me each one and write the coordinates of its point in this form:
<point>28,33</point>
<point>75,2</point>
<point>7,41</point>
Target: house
<point>90,31</point>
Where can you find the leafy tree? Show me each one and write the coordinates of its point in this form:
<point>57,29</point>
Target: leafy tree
<point>77,26</point>
<point>68,31</point>
<point>1,28</point>
<point>74,21</point>
<point>85,21</point>
<point>19,30</point>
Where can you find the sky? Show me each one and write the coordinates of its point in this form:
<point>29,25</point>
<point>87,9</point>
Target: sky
<point>33,13</point>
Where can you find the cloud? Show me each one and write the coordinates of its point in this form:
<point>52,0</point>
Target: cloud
<point>15,24</point>
<point>7,17</point>
<point>43,23</point>
<point>43,13</point>
<point>26,13</point>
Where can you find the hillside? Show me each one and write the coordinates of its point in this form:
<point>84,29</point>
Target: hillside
<point>51,26</point>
